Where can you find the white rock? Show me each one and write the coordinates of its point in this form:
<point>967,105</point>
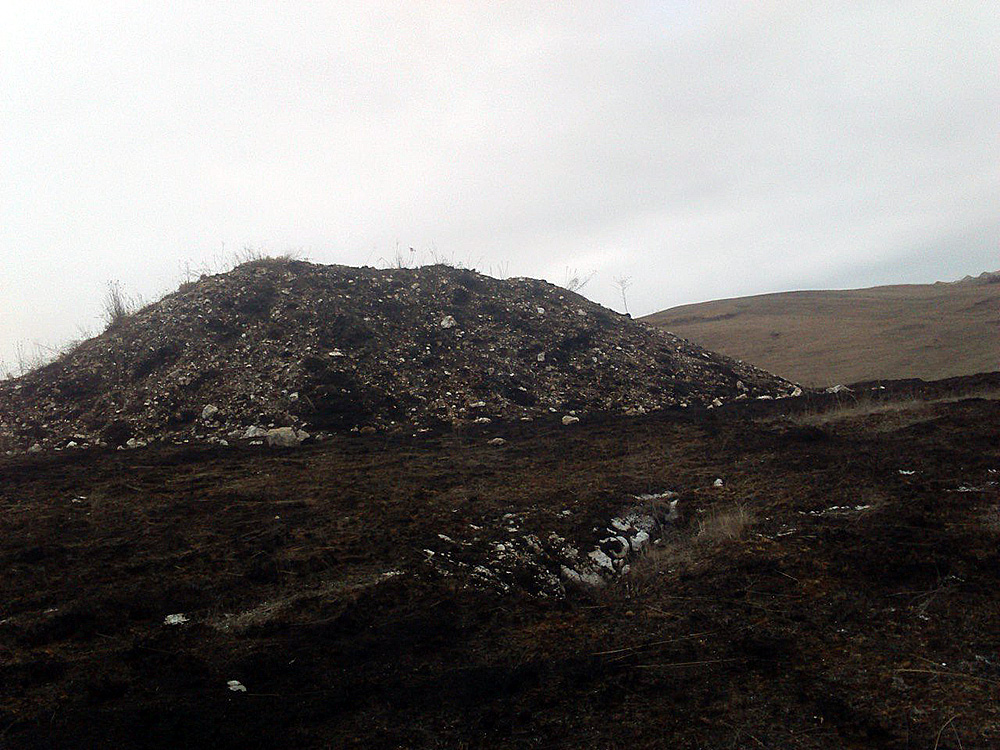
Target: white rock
<point>36,448</point>
<point>283,437</point>
<point>209,412</point>
<point>640,540</point>
<point>717,483</point>
<point>620,525</point>
<point>796,392</point>
<point>601,559</point>
<point>570,419</point>
<point>717,402</point>
<point>236,686</point>
<point>293,396</point>
<point>616,546</point>
<point>838,389</point>
<point>178,619</point>
<point>336,353</point>
<point>588,578</point>
<point>497,441</point>
<point>254,432</point>
<point>448,322</point>
<point>72,444</point>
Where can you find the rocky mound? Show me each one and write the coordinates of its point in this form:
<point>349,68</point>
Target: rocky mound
<point>331,348</point>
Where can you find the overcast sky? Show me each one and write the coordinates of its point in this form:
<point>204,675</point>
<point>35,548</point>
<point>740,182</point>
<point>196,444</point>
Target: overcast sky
<point>704,149</point>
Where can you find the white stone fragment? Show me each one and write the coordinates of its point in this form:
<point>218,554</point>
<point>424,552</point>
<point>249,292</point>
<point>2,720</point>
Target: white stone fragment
<point>283,437</point>
<point>601,559</point>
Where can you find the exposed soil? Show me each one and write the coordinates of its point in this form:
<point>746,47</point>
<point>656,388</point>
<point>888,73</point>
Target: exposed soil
<point>838,590</point>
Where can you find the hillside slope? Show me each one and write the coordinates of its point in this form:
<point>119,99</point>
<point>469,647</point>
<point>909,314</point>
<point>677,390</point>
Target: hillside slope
<point>820,338</point>
<point>333,348</point>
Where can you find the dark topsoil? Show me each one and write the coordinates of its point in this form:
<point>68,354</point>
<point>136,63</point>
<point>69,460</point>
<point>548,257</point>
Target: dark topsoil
<point>858,607</point>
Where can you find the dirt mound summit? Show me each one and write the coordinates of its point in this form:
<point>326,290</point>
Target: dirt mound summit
<point>331,348</point>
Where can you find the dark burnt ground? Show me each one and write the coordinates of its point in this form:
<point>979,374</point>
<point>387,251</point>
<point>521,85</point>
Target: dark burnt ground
<point>818,625</point>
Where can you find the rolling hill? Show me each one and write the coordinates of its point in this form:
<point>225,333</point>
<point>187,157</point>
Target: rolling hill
<point>820,338</point>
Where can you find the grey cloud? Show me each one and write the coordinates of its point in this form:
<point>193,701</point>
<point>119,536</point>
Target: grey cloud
<point>704,149</point>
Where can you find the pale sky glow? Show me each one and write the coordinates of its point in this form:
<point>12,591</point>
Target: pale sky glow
<point>706,149</point>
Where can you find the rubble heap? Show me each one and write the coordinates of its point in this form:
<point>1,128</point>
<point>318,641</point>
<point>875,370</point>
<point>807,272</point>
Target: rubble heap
<point>332,348</point>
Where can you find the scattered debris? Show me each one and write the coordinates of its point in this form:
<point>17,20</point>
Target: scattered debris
<point>332,348</point>
<point>839,389</point>
<point>980,488</point>
<point>543,564</point>
<point>836,510</point>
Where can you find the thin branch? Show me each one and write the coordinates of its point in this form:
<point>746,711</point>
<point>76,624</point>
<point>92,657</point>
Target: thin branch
<point>941,730</point>
<point>678,664</point>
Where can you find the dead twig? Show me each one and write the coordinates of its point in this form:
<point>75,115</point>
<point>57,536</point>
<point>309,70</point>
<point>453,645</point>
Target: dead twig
<point>679,664</point>
<point>947,673</point>
<point>941,730</point>
<point>652,645</point>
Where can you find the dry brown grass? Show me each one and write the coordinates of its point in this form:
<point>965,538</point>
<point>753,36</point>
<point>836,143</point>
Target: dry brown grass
<point>691,549</point>
<point>893,411</point>
<point>118,305</point>
<point>724,525</point>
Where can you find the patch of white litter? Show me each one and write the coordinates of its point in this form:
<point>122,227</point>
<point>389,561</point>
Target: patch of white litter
<point>545,563</point>
<point>835,510</point>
